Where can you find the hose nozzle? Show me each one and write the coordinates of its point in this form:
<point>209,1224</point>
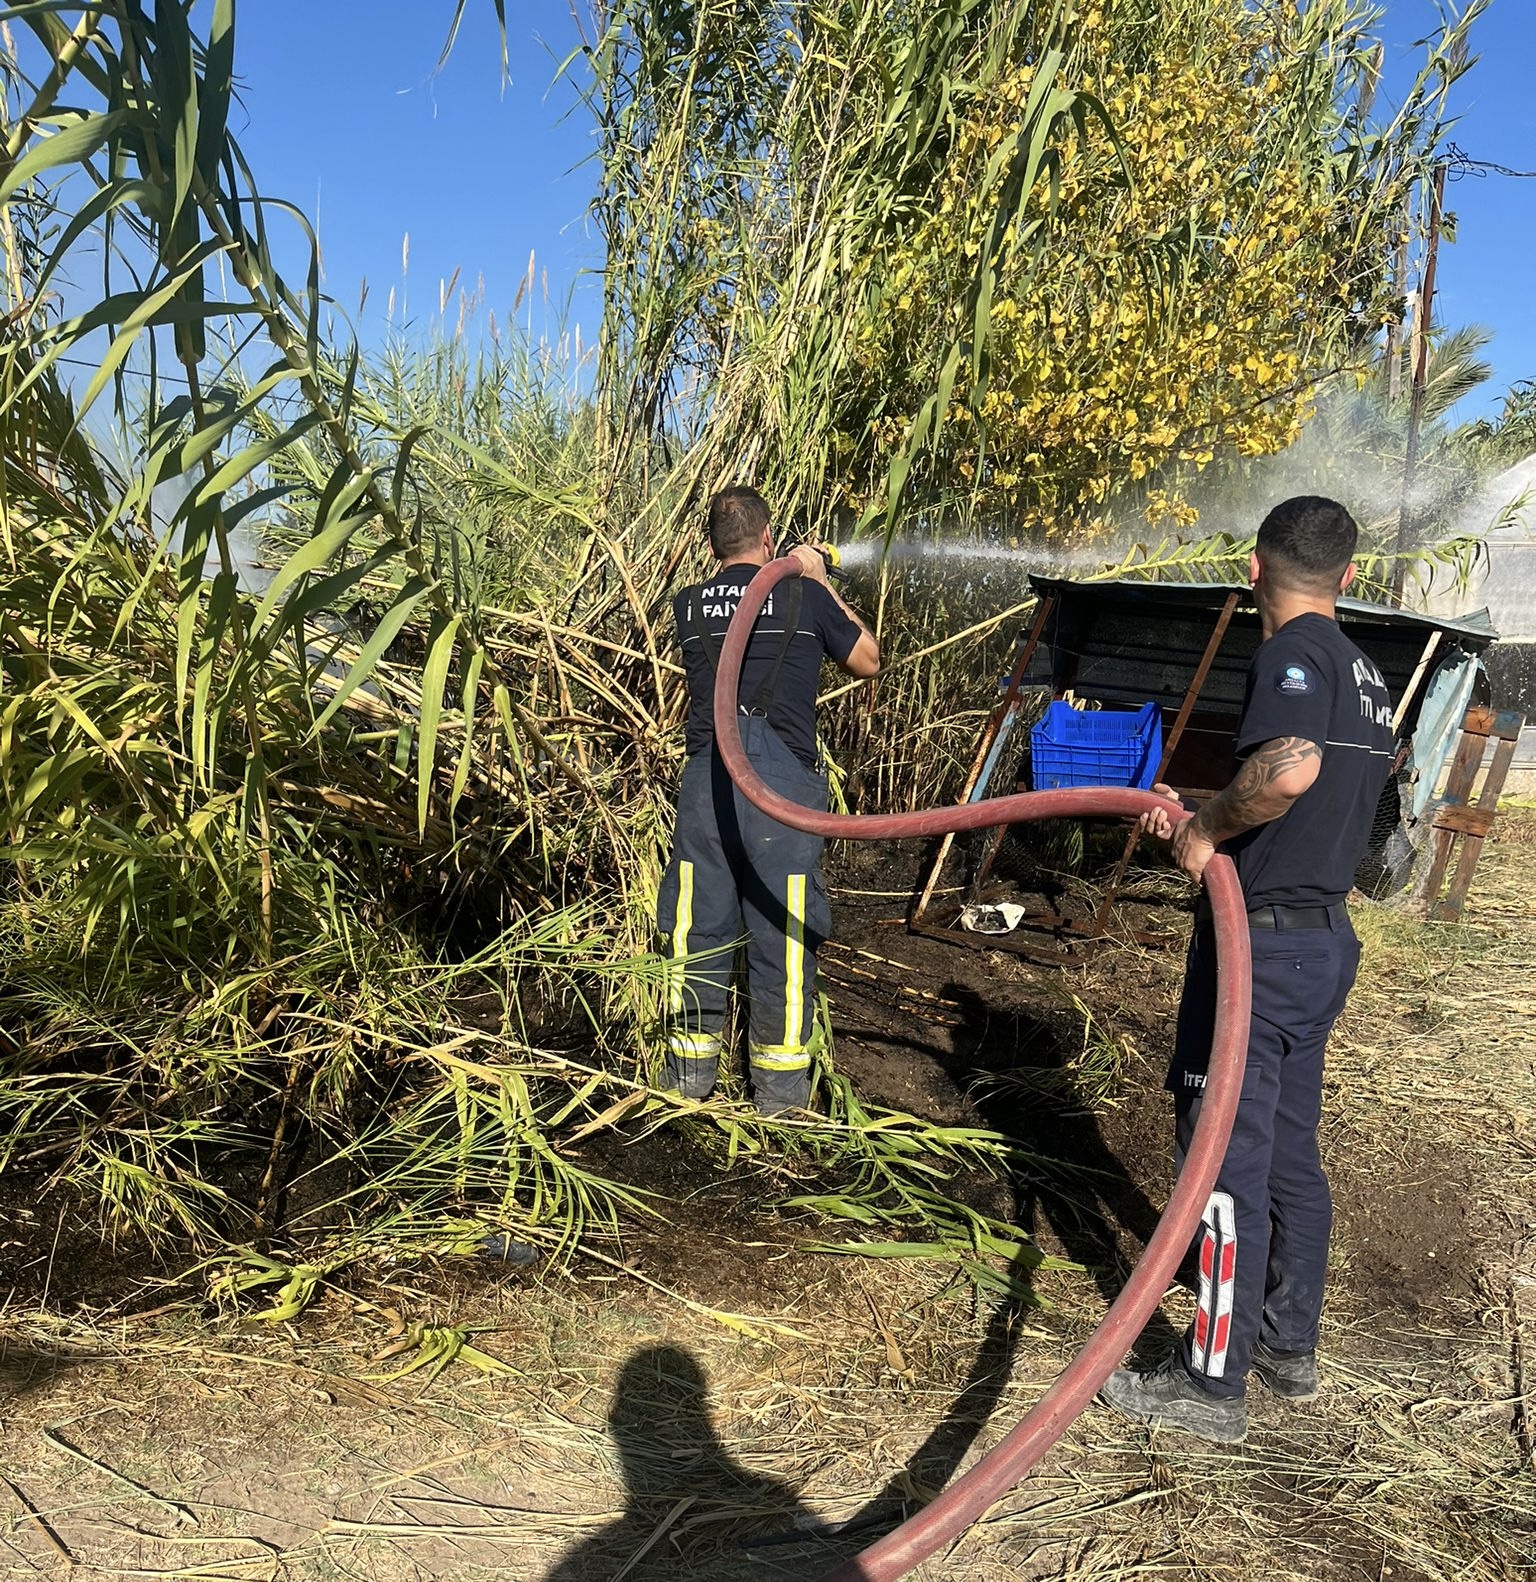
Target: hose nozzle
<point>833,557</point>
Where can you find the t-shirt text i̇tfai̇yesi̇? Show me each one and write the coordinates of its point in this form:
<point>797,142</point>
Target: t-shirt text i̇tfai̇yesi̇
<point>821,631</point>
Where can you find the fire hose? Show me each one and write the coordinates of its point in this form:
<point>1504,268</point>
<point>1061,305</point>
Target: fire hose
<point>967,1499</point>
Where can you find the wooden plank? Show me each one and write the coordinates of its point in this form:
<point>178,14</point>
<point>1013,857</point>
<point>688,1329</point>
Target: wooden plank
<point>1504,723</point>
<point>1464,767</point>
<point>1197,683</point>
<point>1458,786</point>
<point>1465,820</point>
<point>1411,690</point>
<point>1472,823</point>
<point>1448,910</point>
<point>1498,773</point>
<point>1444,840</point>
<point>930,884</point>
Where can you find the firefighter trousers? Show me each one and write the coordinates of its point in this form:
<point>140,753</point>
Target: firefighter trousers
<point>1263,1246</point>
<point>738,877</point>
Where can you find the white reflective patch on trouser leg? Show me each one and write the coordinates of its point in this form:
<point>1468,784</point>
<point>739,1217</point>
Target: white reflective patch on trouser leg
<point>694,1046</point>
<point>1218,1268</point>
<point>780,1057</point>
<point>693,1062</point>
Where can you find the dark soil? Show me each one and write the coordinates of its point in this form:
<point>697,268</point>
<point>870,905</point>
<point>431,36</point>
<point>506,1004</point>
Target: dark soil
<point>938,1024</point>
<point>54,1254</point>
<point>717,1236</point>
<point>942,1033</point>
<point>977,1036</point>
<point>1411,1230</point>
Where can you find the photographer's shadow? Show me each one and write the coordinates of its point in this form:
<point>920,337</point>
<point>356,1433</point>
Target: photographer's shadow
<point>690,1508</point>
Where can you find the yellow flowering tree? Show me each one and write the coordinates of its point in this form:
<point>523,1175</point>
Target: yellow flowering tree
<point>1204,252</point>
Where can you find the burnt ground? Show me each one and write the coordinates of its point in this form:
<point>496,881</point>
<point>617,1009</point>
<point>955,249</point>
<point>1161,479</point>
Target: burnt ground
<point>972,1036</point>
<point>651,1435</point>
<point>978,1036</point>
<point>952,1036</point>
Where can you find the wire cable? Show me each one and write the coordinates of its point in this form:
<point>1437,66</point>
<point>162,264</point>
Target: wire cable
<point>1459,163</point>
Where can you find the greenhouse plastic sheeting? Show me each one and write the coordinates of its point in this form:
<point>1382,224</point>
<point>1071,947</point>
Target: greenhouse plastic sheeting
<point>1445,701</point>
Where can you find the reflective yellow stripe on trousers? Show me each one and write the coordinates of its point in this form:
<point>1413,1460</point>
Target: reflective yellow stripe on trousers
<point>695,1046</point>
<point>780,1057</point>
<point>681,925</point>
<point>792,1053</point>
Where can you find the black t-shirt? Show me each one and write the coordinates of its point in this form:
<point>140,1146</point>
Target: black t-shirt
<point>821,630</point>
<point>1309,680</point>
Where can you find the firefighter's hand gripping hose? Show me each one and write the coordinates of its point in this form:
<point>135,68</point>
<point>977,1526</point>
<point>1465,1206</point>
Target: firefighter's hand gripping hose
<point>969,1497</point>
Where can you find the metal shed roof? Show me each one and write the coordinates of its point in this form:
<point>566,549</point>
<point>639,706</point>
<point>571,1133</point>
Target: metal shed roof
<point>1477,629</point>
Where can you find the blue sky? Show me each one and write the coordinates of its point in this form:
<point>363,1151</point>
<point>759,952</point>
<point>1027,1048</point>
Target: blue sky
<point>349,120</point>
<point>1482,278</point>
<point>477,171</point>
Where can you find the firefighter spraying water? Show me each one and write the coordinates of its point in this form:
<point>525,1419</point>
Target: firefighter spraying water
<point>735,873</point>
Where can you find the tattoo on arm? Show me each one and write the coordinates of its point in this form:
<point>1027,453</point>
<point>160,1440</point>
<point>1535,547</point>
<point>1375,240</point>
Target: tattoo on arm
<point>1253,797</point>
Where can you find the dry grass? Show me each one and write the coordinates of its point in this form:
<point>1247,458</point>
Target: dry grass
<point>1415,1466</point>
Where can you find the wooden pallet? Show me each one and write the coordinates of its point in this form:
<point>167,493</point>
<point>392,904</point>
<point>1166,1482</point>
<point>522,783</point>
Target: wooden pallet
<point>1458,819</point>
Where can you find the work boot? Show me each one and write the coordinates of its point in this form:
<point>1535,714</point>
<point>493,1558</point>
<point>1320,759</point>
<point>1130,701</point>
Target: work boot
<point>691,1078</point>
<point>1289,1374</point>
<point>693,1063</point>
<point>1168,1398</point>
<point>775,1107</point>
<point>777,1092</point>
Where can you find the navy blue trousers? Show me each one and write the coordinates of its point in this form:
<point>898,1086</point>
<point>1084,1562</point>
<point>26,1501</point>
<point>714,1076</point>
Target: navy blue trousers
<point>737,877</point>
<point>1263,1246</point>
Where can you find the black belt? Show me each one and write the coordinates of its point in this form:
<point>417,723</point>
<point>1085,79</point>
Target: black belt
<point>1285,917</point>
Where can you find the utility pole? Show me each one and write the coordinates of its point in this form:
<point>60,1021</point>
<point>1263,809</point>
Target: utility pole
<point>1395,328</point>
<point>1422,320</point>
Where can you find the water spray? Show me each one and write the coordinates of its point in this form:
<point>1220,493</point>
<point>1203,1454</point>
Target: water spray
<point>958,556</point>
<point>967,1499</point>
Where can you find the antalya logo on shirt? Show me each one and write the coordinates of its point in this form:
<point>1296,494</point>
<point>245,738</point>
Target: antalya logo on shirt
<point>1295,680</point>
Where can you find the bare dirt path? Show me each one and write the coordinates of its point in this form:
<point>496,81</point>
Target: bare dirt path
<point>636,1438</point>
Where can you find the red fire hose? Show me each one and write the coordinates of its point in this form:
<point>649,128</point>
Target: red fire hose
<point>969,1497</point>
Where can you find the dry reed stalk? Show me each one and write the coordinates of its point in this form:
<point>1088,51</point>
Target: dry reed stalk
<point>38,1520</point>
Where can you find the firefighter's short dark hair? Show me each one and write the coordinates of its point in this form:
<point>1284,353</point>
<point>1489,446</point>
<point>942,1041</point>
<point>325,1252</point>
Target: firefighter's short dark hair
<point>737,517</point>
<point>1307,543</point>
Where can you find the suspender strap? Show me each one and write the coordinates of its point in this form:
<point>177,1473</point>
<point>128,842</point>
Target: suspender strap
<point>788,595</point>
<point>792,603</point>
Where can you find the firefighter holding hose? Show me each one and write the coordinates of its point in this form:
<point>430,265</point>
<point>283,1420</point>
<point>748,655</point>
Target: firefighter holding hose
<point>736,874</point>
<point>1313,749</point>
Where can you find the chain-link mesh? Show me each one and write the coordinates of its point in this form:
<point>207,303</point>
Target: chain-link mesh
<point>1388,862</point>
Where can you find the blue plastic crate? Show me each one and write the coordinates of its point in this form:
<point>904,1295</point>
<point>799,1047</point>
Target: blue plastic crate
<point>1105,747</point>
